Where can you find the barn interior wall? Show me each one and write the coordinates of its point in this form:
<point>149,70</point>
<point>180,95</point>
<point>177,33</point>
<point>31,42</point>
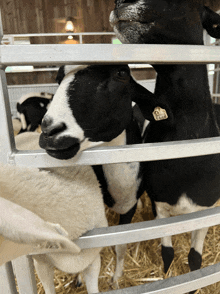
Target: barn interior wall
<point>46,16</point>
<point>41,16</point>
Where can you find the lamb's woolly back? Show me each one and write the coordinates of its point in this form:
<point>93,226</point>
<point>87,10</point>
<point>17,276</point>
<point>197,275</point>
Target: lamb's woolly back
<point>76,186</point>
<point>27,141</point>
<point>71,198</point>
<point>66,191</point>
<point>14,227</point>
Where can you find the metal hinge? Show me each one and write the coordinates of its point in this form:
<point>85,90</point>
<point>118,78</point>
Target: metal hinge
<point>11,159</point>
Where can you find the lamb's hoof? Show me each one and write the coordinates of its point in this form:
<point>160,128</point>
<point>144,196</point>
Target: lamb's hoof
<point>75,283</point>
<point>194,259</point>
<point>78,281</point>
<point>140,205</point>
<point>78,284</point>
<point>167,255</point>
<point>114,284</point>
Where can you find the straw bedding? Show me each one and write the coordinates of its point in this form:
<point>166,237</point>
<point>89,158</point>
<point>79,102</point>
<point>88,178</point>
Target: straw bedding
<point>143,262</point>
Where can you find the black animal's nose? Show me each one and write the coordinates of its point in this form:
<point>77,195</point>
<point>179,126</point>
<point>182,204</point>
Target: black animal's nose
<point>51,129</point>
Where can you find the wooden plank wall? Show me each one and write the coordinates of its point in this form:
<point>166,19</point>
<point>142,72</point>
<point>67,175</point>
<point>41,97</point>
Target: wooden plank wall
<point>96,18</point>
<point>39,16</point>
<point>47,77</point>
<point>213,4</point>
<point>43,16</point>
<point>27,78</point>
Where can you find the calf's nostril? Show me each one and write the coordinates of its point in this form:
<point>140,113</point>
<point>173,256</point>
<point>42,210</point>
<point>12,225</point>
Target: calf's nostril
<point>55,129</point>
<point>46,123</point>
<point>49,128</point>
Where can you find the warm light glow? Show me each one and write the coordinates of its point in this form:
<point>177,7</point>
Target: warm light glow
<point>69,26</point>
<point>70,37</point>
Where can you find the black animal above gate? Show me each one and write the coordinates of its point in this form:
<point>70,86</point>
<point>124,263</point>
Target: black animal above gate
<point>181,185</point>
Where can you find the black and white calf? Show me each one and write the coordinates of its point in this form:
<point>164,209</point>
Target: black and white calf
<point>93,106</point>
<point>31,108</point>
<point>181,185</point>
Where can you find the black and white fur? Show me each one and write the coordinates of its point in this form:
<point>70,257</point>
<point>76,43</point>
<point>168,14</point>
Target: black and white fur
<point>186,185</point>
<point>91,107</point>
<point>31,109</point>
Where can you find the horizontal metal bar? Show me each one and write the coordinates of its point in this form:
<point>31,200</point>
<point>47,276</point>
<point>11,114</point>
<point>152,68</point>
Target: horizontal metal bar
<point>215,95</point>
<point>19,70</point>
<point>215,69</point>
<point>58,54</point>
<point>132,66</point>
<point>180,284</point>
<point>149,230</point>
<point>59,34</point>
<point>217,42</point>
<point>127,153</point>
<point>34,86</point>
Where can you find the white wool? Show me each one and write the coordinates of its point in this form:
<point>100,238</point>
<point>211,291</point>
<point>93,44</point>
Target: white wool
<point>45,192</point>
<point>69,196</point>
<point>14,227</point>
<point>27,141</point>
<point>16,125</point>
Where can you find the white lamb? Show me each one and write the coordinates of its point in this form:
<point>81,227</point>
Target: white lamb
<point>70,197</point>
<point>34,236</point>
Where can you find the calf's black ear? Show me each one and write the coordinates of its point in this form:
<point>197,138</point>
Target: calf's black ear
<point>60,74</point>
<point>18,106</point>
<point>153,109</point>
<point>211,22</point>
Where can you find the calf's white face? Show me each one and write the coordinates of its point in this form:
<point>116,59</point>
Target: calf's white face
<point>91,106</point>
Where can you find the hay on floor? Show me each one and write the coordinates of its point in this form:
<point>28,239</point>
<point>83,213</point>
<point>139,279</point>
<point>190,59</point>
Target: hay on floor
<point>143,262</point>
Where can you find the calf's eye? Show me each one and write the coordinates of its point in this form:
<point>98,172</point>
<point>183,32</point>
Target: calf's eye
<point>122,75</point>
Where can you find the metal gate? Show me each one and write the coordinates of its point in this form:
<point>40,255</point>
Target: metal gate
<point>107,54</point>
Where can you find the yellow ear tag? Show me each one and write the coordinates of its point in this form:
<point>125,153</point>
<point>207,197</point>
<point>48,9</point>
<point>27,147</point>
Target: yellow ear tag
<point>159,113</point>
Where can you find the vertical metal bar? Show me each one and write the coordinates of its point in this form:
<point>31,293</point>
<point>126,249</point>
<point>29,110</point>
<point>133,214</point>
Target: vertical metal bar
<point>7,144</point>
<point>24,272</point>
<point>206,38</point>
<point>217,79</point>
<point>1,27</point>
<point>7,279</point>
<point>80,39</point>
<point>217,84</point>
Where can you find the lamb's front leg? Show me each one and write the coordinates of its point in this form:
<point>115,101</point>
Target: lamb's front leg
<point>45,273</point>
<point>167,250</point>
<point>195,254</point>
<point>120,255</point>
<point>91,275</point>
<point>121,249</point>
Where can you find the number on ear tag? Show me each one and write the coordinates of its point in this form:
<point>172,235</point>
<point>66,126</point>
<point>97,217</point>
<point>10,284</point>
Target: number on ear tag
<point>159,113</point>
